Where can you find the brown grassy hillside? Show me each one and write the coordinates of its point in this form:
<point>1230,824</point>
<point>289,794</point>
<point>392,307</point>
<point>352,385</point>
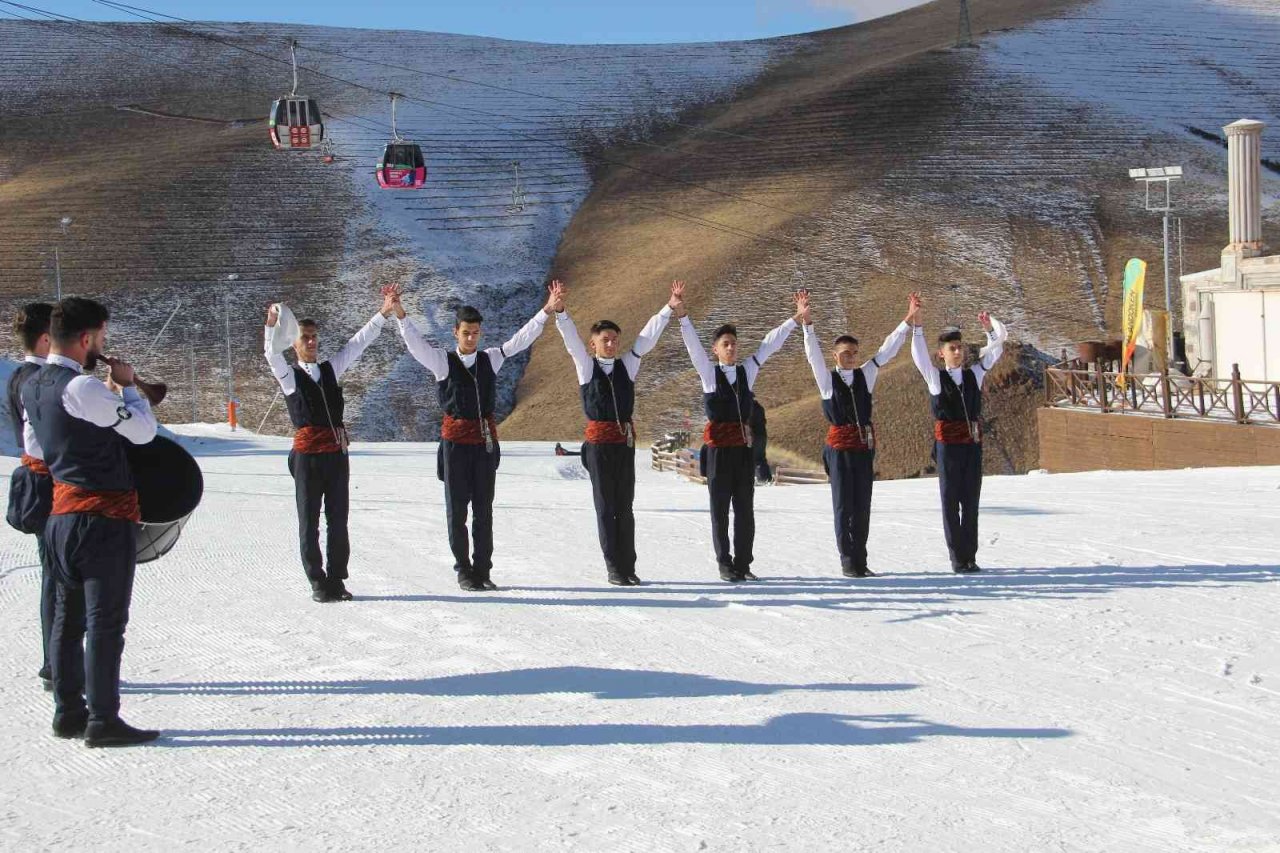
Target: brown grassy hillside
<point>878,162</point>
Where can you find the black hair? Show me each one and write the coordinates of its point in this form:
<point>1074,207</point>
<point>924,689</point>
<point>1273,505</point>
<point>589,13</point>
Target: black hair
<point>74,316</point>
<point>31,322</point>
<point>605,326</point>
<point>726,329</point>
<point>949,334</point>
<point>308,322</point>
<point>468,314</point>
<point>846,339</point>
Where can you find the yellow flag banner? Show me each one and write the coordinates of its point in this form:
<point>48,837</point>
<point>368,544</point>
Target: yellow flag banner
<point>1135,279</point>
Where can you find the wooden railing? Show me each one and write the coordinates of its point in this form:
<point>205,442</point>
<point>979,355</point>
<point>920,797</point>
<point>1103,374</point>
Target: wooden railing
<point>1169,395</point>
<point>669,453</point>
<point>787,476</point>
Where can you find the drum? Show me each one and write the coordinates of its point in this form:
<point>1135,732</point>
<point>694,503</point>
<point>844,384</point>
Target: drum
<point>170,486</point>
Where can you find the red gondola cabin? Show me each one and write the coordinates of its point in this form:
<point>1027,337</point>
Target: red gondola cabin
<point>401,167</point>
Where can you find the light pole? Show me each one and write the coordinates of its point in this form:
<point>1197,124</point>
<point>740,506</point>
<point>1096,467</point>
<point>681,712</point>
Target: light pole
<point>63,223</point>
<point>1162,175</point>
<point>191,357</point>
<point>231,383</point>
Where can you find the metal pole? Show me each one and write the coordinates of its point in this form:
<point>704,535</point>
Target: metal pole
<point>231,388</point>
<point>1168,291</point>
<point>57,273</point>
<point>191,357</point>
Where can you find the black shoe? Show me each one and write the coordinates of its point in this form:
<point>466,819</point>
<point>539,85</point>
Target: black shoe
<point>858,573</point>
<point>338,590</point>
<point>746,575</point>
<point>633,580</point>
<point>965,569</point>
<point>70,725</point>
<point>972,567</point>
<point>469,582</point>
<point>320,592</point>
<point>619,579</point>
<point>46,677</point>
<point>116,733</point>
<point>485,582</point>
<point>730,574</point>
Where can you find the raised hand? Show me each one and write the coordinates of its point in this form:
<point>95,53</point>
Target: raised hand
<point>273,315</point>
<point>390,296</point>
<point>914,308</point>
<point>121,372</point>
<point>985,319</point>
<point>676,302</point>
<point>555,297</point>
<point>801,298</point>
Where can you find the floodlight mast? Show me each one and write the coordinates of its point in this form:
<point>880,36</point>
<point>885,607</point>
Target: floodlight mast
<point>1165,175</point>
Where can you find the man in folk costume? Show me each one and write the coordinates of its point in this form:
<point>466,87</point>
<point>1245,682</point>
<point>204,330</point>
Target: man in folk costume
<point>30,486</point>
<point>956,393</point>
<point>850,452</point>
<point>318,462</point>
<point>727,458</point>
<point>469,454</point>
<point>82,426</point>
<point>607,382</point>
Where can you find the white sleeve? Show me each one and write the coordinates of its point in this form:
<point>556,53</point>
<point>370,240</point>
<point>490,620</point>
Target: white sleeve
<point>355,347</point>
<point>432,358</point>
<point>813,351</point>
<point>646,340</point>
<point>582,360</point>
<point>991,353</point>
<point>772,343</point>
<point>88,398</point>
<point>698,355</point>
<point>924,360</point>
<point>519,342</point>
<point>892,344</point>
<point>279,367</point>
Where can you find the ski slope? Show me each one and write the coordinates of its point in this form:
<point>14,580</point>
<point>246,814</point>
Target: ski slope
<point>1112,682</point>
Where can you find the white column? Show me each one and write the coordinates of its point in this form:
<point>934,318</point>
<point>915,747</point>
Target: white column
<point>1244,176</point>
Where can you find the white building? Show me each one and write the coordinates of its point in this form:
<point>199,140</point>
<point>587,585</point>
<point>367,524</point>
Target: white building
<point>1231,315</point>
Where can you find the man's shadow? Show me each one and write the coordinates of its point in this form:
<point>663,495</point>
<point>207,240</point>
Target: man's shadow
<point>598,682</point>
<point>801,729</point>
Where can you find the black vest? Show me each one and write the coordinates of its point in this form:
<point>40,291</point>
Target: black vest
<point>841,409</point>
<point>19,376</point>
<point>731,403</point>
<point>609,397</point>
<point>468,394</point>
<point>307,403</point>
<point>77,451</point>
<point>956,403</point>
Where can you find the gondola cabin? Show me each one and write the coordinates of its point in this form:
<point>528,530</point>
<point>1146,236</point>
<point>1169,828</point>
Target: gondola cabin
<point>401,167</point>
<point>295,123</point>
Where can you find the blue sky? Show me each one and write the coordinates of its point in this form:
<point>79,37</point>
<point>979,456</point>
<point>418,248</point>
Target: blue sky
<point>573,21</point>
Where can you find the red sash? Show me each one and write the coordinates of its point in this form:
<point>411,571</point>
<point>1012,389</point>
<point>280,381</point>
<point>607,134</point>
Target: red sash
<point>122,505</point>
<point>37,466</point>
<point>316,439</point>
<point>846,437</point>
<point>725,434</point>
<point>466,430</point>
<point>607,432</point>
<point>954,432</point>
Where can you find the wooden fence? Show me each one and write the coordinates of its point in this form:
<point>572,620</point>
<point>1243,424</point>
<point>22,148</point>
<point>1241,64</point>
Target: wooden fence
<point>669,453</point>
<point>1169,395</point>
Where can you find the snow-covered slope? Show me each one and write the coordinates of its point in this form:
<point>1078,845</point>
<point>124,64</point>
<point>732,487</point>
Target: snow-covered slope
<point>1110,683</point>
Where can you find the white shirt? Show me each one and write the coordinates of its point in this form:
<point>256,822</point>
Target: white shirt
<point>30,444</point>
<point>89,399</point>
<point>702,363</point>
<point>870,370</point>
<point>585,364</point>
<point>990,355</point>
<point>344,358</point>
<point>437,360</point>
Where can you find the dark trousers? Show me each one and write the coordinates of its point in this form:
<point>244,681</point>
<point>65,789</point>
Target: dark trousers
<point>960,483</point>
<point>48,600</point>
<point>730,473</point>
<point>469,473</point>
<point>322,479</point>
<point>93,560</point>
<point>613,487</point>
<point>852,475</point>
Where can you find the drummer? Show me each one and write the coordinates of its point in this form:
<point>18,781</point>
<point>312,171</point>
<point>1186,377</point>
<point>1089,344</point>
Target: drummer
<point>82,425</point>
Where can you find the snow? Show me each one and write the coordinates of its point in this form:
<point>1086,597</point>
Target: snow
<point>1110,682</point>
